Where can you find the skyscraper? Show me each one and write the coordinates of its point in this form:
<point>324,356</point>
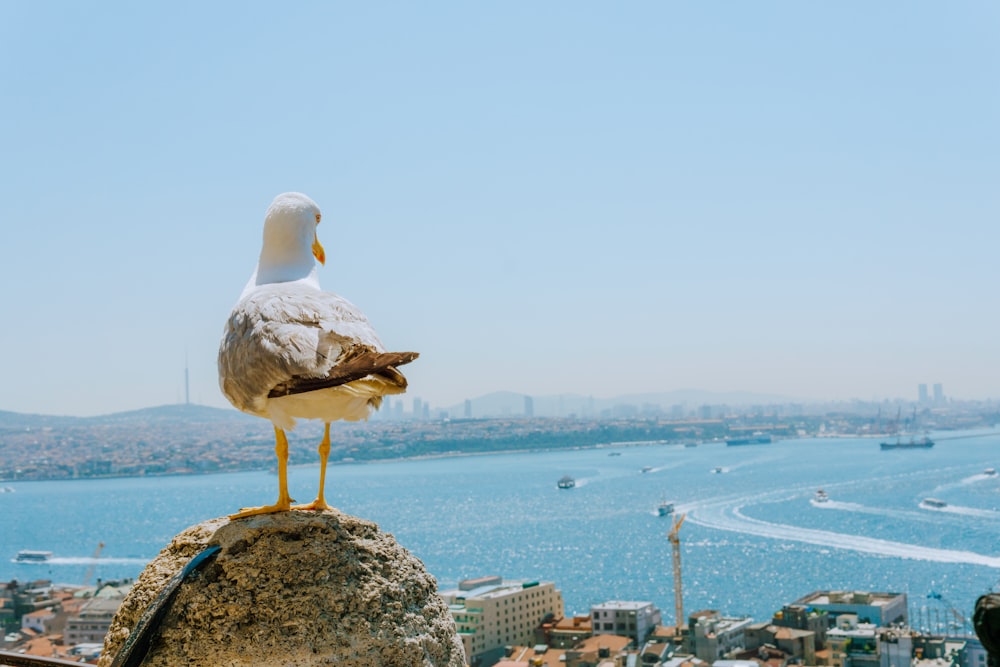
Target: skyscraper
<point>922,392</point>
<point>938,393</point>
<point>529,406</point>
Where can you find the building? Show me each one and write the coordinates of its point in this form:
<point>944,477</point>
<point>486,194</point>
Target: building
<point>922,393</point>
<point>792,641</point>
<point>492,614</point>
<point>41,621</point>
<point>564,632</point>
<point>853,643</point>
<point>938,394</point>
<point>714,636</point>
<point>881,609</point>
<point>801,617</point>
<point>635,620</point>
<point>529,407</point>
<point>91,621</point>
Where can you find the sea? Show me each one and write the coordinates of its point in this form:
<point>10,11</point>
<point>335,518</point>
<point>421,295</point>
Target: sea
<point>753,539</point>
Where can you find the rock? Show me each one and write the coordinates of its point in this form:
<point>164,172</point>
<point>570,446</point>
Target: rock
<point>292,589</point>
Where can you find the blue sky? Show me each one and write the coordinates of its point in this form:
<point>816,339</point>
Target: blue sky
<point>600,198</point>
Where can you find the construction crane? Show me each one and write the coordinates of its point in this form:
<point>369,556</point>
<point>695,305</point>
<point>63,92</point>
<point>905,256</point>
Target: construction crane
<point>675,544</point>
<point>93,565</point>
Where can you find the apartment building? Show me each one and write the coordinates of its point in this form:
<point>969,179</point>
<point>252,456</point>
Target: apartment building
<point>714,636</point>
<point>635,620</point>
<point>492,614</point>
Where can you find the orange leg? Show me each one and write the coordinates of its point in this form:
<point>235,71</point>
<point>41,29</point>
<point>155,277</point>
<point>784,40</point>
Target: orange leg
<point>324,454</point>
<point>284,500</point>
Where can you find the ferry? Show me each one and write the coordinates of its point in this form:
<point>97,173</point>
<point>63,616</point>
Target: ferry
<point>934,502</point>
<point>29,556</point>
<point>566,482</point>
<point>665,508</point>
<point>821,496</point>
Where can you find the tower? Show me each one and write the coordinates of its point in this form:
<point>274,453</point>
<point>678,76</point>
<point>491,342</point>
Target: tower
<point>922,393</point>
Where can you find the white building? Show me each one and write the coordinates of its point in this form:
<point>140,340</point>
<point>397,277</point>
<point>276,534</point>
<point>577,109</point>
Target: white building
<point>492,614</point>
<point>625,619</point>
<point>714,636</point>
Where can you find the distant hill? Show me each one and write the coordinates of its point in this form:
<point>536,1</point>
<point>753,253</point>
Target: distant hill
<point>164,414</point>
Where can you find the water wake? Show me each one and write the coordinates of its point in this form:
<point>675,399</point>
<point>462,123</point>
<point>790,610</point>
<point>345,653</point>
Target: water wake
<point>727,515</point>
<point>84,560</point>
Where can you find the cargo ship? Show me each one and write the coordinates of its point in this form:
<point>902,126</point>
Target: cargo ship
<point>29,556</point>
<point>912,443</point>
<point>755,439</point>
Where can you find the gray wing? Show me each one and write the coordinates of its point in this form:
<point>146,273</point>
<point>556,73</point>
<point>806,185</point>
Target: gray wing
<point>284,333</point>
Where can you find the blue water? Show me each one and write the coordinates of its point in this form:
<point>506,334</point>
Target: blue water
<point>753,538</point>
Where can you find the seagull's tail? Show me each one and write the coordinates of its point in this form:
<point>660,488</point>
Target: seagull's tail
<point>379,364</point>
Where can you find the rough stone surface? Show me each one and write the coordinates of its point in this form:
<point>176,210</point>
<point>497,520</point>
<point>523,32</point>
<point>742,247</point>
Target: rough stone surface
<point>293,589</point>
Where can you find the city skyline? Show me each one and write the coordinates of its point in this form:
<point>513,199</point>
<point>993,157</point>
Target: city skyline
<point>796,200</point>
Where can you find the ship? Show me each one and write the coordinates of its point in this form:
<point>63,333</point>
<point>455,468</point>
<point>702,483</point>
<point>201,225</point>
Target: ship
<point>718,470</point>
<point>647,469</point>
<point>934,502</point>
<point>665,508</point>
<point>566,482</point>
<point>821,496</point>
<point>755,439</point>
<point>990,472</point>
<point>29,556</point>
<point>912,443</point>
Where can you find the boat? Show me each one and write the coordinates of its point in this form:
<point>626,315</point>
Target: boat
<point>912,443</point>
<point>29,556</point>
<point>614,454</point>
<point>821,496</point>
<point>718,470</point>
<point>934,502</point>
<point>755,439</point>
<point>566,482</point>
<point>990,472</point>
<point>647,469</point>
<point>665,508</point>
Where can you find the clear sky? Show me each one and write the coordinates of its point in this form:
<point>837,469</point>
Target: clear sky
<point>798,198</point>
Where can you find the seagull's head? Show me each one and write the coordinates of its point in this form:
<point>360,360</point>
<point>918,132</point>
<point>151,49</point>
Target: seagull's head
<point>290,241</point>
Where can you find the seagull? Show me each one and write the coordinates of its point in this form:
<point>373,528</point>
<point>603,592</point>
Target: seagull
<point>292,351</point>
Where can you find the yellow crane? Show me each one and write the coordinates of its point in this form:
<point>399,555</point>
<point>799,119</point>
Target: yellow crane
<point>675,544</point>
<point>93,565</point>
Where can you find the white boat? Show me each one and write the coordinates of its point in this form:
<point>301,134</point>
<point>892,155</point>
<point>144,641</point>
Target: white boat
<point>29,556</point>
<point>665,508</point>
<point>566,482</point>
<point>718,470</point>
<point>934,502</point>
<point>821,496</point>
<point>992,472</point>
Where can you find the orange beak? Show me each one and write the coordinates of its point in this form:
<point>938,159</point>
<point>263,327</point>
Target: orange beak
<point>318,251</point>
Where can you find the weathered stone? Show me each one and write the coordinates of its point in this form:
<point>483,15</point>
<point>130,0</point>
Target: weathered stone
<point>293,589</point>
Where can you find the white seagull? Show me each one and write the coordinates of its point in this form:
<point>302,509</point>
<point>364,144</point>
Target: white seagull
<point>291,350</point>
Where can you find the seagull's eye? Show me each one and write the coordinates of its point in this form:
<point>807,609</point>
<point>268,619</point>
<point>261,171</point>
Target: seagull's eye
<point>317,218</point>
